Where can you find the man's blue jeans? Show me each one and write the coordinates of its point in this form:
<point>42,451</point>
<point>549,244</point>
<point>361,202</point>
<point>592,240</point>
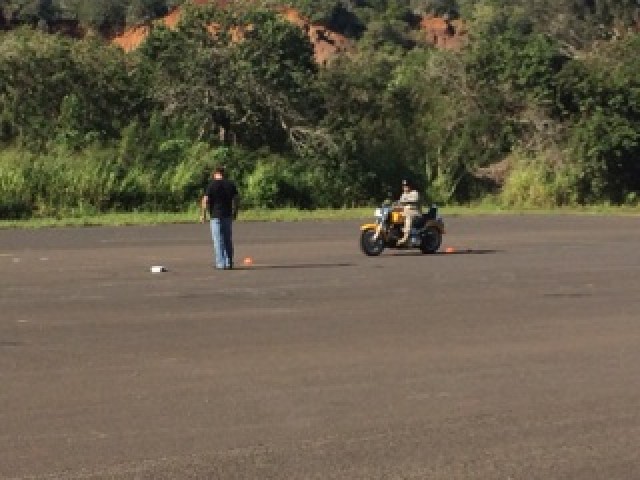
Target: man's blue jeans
<point>222,242</point>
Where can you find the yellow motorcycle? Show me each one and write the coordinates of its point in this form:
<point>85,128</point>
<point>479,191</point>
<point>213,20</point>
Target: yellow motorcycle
<point>426,231</point>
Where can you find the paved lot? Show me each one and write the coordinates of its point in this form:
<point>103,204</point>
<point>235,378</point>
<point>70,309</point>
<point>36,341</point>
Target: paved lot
<point>516,358</point>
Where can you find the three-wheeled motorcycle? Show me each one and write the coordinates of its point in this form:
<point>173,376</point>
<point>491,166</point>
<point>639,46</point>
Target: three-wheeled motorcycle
<point>426,231</point>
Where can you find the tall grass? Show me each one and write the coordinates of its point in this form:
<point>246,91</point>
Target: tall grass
<point>168,176</point>
<point>15,186</point>
<point>538,182</point>
<point>94,180</point>
<point>85,184</point>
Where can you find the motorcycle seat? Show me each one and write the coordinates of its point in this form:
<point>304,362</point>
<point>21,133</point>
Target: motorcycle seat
<point>418,222</point>
<point>431,214</point>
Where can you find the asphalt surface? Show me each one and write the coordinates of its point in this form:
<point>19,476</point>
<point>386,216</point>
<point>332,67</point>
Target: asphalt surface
<point>516,357</point>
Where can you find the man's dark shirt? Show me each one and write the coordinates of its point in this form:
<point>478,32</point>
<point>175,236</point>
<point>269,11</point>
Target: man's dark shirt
<point>220,195</point>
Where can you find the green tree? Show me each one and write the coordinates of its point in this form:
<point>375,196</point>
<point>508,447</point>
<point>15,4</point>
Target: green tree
<point>573,24</point>
<point>49,82</point>
<point>105,16</point>
<point>248,84</point>
<point>27,11</point>
<point>372,119</point>
<point>600,97</point>
<point>142,11</point>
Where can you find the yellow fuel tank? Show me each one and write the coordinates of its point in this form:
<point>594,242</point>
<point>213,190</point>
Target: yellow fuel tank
<point>397,217</point>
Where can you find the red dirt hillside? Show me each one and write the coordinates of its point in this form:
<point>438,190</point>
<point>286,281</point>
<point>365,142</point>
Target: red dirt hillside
<point>326,43</point>
<point>444,33</point>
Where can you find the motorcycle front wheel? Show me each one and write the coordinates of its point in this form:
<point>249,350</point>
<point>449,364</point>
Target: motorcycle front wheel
<point>370,245</point>
<point>431,240</point>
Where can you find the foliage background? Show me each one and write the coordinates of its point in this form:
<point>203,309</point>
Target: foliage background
<point>541,108</point>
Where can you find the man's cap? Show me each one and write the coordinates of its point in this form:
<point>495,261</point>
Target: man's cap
<point>406,182</point>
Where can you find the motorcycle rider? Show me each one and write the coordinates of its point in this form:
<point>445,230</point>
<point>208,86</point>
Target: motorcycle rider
<point>410,202</point>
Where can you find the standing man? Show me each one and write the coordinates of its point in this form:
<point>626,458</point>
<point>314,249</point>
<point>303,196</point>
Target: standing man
<point>221,199</point>
<point>410,201</point>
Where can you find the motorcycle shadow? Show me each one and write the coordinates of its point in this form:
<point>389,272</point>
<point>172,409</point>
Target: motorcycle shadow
<point>293,266</point>
<point>467,251</point>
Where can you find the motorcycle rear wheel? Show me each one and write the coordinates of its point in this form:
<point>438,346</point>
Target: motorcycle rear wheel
<point>431,240</point>
<point>369,245</point>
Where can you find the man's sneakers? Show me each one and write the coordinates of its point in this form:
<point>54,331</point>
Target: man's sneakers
<point>226,267</point>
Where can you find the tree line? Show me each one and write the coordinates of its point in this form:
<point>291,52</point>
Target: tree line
<point>105,16</point>
<point>541,108</point>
